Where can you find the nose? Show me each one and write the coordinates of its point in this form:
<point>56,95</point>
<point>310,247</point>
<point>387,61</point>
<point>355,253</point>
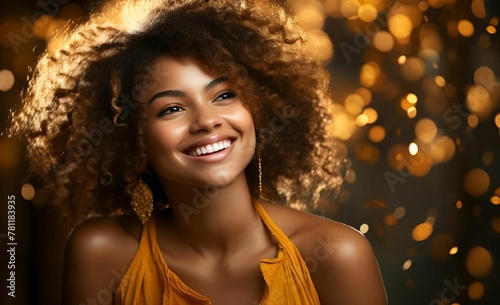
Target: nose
<point>205,118</point>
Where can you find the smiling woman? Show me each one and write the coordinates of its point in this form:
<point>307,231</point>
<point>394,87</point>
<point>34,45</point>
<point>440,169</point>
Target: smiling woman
<point>215,121</point>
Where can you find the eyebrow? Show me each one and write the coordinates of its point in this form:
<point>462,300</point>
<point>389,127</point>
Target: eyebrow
<point>177,93</point>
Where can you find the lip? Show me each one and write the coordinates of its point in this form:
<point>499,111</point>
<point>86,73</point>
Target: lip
<point>212,157</point>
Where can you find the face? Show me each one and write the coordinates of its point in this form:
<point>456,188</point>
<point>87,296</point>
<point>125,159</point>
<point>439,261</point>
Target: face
<point>199,130</point>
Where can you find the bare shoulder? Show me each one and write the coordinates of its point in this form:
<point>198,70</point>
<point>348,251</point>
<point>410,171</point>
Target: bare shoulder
<point>340,259</point>
<point>99,239</point>
<point>306,230</point>
<point>97,255</point>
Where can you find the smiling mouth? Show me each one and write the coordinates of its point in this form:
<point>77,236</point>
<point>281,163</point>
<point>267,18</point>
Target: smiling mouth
<point>210,148</point>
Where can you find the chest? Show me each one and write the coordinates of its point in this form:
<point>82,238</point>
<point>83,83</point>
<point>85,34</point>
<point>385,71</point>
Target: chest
<point>236,281</point>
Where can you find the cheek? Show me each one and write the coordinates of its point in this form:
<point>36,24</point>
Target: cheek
<point>244,121</point>
<point>161,139</point>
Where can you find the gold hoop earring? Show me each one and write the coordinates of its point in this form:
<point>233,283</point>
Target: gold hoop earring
<point>142,201</point>
<point>260,177</point>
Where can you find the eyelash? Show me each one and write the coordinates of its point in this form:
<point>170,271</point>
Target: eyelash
<point>228,94</point>
<point>168,110</point>
<point>222,96</point>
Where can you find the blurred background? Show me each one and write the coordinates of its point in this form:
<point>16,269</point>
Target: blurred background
<point>417,110</point>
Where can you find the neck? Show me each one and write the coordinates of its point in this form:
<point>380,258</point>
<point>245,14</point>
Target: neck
<point>213,218</point>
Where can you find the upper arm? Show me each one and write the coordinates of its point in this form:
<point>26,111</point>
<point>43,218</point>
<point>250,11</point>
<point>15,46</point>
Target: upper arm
<point>347,272</point>
<point>96,258</point>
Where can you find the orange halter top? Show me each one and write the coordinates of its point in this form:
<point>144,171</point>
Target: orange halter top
<point>149,281</point>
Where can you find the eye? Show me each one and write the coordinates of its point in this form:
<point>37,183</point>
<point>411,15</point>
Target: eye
<point>170,110</point>
<point>225,95</point>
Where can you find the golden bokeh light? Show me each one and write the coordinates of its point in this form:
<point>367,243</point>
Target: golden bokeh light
<point>350,176</point>
<point>440,81</point>
<point>411,112</point>
<point>459,204</point>
<point>367,12</point>
<point>364,228</point>
<point>349,8</point>
<point>487,158</point>
<point>436,3</point>
<point>400,26</point>
<point>453,250</point>
<point>365,94</point>
<point>362,120</point>
<point>401,59</point>
<point>491,29</point>
<point>28,192</point>
<point>344,124</point>
<point>494,21</point>
<point>407,264</point>
<point>423,6</point>
<point>477,8</point>
<point>413,148</point>
<point>479,101</point>
<point>426,130</point>
<point>443,149</point>
<point>376,134</point>
<point>41,26</point>
<point>422,231</point>
<point>369,73</point>
<point>310,17</point>
<point>495,200</point>
<point>413,69</point>
<point>322,46</point>
<point>479,262</point>
<point>472,120</point>
<point>371,115</point>
<point>497,120</point>
<point>354,104</point>
<point>7,80</point>
<point>399,212</point>
<point>476,182</point>
<point>484,76</point>
<point>475,290</point>
<point>383,41</point>
<point>412,98</point>
<point>465,28</point>
<point>497,191</point>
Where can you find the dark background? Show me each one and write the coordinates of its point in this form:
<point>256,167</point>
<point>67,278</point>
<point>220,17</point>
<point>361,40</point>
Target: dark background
<point>392,196</point>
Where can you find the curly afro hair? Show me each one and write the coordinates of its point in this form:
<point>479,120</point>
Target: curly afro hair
<point>83,120</point>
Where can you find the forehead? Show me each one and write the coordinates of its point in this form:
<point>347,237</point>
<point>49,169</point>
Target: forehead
<point>179,69</point>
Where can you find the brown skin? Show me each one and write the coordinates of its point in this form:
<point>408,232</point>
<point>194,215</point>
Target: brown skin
<point>346,272</point>
<point>216,251</point>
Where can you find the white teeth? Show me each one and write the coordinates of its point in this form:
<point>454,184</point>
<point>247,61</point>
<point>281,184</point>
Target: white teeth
<point>210,148</point>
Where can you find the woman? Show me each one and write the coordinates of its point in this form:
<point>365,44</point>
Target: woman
<point>188,114</point>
